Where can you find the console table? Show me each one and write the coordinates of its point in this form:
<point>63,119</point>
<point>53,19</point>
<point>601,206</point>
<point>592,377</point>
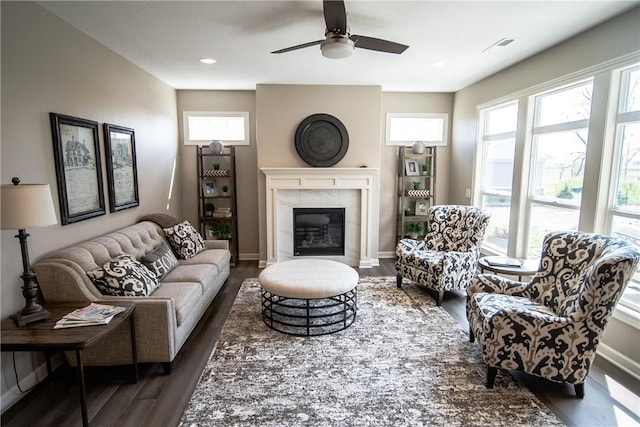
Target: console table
<point>40,336</point>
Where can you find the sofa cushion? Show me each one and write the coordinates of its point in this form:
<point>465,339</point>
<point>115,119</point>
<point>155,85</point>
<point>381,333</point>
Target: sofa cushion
<point>185,240</point>
<point>124,276</point>
<point>160,261</point>
<point>185,296</point>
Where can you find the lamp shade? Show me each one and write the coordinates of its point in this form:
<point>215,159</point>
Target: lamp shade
<point>26,206</point>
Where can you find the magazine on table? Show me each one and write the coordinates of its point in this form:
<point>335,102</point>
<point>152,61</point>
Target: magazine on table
<point>503,261</point>
<point>91,315</point>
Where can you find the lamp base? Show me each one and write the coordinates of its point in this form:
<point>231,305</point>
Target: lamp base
<point>23,318</point>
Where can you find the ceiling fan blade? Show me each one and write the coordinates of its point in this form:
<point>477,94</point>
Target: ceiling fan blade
<point>372,43</point>
<point>335,16</point>
<point>300,46</point>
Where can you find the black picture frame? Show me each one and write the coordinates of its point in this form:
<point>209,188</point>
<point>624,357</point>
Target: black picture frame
<point>122,170</point>
<point>76,151</point>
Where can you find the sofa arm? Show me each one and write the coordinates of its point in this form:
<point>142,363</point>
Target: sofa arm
<point>217,244</point>
<point>155,327</point>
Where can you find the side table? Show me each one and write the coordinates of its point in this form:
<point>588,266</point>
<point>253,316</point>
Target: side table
<point>528,267</point>
<point>40,336</point>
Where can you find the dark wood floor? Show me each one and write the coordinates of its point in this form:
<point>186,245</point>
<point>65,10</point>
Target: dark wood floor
<point>159,400</point>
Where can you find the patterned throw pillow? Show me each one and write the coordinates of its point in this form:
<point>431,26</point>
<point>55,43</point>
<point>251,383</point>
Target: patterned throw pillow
<point>160,261</point>
<point>185,240</point>
<point>124,276</point>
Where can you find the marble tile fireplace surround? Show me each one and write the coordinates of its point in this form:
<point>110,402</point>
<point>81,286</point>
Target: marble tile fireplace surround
<point>355,189</point>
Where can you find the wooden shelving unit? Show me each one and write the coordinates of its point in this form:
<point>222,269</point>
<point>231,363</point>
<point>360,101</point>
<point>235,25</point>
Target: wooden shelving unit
<point>413,203</point>
<point>217,172</point>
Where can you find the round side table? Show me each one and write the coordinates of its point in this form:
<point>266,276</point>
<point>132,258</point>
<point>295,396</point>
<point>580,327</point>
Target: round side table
<point>528,267</point>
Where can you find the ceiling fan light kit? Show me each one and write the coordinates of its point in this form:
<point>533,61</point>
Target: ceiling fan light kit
<point>337,48</point>
<point>339,43</point>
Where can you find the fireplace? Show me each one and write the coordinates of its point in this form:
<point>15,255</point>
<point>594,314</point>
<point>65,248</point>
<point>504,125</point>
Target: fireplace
<point>354,189</point>
<point>318,231</point>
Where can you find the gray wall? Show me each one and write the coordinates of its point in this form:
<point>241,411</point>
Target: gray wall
<point>246,160</point>
<point>611,40</point>
<point>47,66</point>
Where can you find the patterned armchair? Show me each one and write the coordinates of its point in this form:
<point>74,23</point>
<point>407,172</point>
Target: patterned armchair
<point>447,257</point>
<point>551,326</point>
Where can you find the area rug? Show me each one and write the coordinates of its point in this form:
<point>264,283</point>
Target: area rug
<point>403,362</point>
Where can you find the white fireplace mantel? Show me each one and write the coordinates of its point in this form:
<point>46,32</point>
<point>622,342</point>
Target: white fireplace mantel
<point>366,180</point>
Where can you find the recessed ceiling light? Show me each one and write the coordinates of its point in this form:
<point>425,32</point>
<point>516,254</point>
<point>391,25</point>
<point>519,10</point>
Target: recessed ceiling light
<point>207,60</point>
<point>439,64</point>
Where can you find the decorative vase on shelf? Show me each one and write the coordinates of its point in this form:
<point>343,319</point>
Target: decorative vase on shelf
<point>216,147</point>
<point>419,147</point>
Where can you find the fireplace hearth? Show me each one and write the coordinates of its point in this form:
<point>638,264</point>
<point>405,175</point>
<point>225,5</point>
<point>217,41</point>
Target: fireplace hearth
<point>318,231</point>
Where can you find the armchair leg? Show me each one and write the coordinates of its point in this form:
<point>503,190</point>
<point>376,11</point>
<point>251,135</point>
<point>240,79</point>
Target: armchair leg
<point>492,371</point>
<point>439,299</point>
<point>579,388</point>
<point>399,280</point>
<point>472,337</point>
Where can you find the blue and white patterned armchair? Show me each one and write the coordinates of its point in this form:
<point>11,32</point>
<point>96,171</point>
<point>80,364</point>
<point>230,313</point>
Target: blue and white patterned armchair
<point>447,257</point>
<point>551,326</point>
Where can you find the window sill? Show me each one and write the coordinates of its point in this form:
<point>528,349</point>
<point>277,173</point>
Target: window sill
<point>627,316</point>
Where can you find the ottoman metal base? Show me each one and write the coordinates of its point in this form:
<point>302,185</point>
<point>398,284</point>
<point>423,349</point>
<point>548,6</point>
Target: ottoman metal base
<point>309,317</point>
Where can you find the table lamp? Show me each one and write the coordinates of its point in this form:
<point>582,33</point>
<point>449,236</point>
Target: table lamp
<point>27,206</point>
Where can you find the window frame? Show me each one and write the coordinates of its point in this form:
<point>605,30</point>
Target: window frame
<point>216,115</point>
<point>443,118</point>
<point>480,166</point>
<point>596,209</point>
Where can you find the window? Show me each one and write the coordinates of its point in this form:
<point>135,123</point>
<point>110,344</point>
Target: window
<point>549,190</point>
<point>407,128</point>
<point>497,145</point>
<point>557,161</point>
<point>624,204</point>
<point>200,127</point>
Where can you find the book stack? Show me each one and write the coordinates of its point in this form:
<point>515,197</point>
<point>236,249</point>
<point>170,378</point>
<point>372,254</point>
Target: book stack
<point>91,315</point>
<point>222,213</point>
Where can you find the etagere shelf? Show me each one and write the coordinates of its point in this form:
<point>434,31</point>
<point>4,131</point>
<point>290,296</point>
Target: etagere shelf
<point>416,183</point>
<point>217,210</point>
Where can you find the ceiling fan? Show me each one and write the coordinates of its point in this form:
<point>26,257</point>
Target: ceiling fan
<point>339,42</point>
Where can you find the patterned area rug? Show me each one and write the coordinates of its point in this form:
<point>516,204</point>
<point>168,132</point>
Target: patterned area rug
<point>403,362</point>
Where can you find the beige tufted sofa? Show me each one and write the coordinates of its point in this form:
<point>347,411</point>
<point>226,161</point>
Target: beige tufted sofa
<point>164,319</point>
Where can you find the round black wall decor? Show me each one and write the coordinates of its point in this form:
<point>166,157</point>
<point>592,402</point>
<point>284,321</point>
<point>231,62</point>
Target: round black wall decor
<point>321,140</point>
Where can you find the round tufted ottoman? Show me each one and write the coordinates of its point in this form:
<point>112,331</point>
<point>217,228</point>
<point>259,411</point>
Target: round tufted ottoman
<point>309,296</point>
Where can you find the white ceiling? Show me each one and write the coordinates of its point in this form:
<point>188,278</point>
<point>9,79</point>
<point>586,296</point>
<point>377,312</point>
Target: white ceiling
<point>167,38</point>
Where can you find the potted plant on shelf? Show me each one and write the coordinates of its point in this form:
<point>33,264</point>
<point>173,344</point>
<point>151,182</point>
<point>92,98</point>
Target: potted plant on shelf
<point>208,209</point>
<point>424,169</point>
<point>216,166</point>
<point>413,229</point>
<point>222,231</point>
<point>225,190</point>
<point>416,185</point>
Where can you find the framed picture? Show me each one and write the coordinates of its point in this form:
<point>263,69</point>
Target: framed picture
<point>209,188</point>
<point>411,167</point>
<point>78,168</point>
<point>421,207</point>
<point>122,171</point>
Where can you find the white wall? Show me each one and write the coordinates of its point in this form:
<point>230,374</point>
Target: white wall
<point>616,38</point>
<point>47,66</point>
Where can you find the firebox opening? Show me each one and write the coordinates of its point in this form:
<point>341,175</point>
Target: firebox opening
<point>318,231</point>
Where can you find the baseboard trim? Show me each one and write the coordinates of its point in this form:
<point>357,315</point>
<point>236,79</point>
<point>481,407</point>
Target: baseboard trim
<point>618,359</point>
<point>386,255</point>
<point>39,374</point>
<point>249,257</point>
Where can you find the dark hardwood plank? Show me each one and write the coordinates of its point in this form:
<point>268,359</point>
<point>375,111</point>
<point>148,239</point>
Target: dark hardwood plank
<point>159,399</point>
